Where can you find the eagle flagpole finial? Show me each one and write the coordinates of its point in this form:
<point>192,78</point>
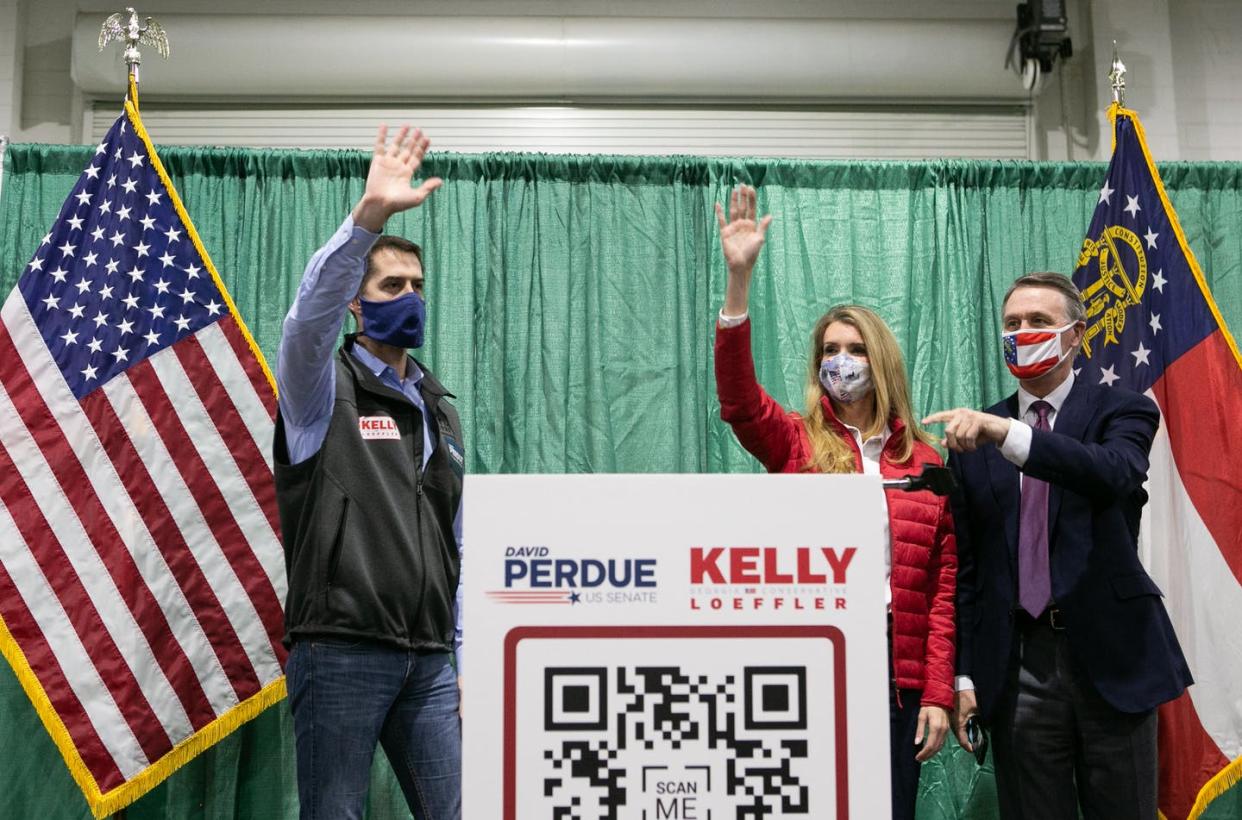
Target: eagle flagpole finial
<point>132,32</point>
<point>1117,78</point>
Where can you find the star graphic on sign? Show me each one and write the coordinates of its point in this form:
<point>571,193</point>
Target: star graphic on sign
<point>1150,236</point>
<point>92,172</point>
<point>167,259</point>
<point>1140,355</point>
<point>574,597</point>
<point>154,198</point>
<point>76,311</point>
<point>1132,206</point>
<point>1105,193</point>
<point>130,186</point>
<point>213,307</point>
<point>97,234</point>
<point>135,159</point>
<point>1158,281</point>
<point>1108,376</point>
<point>67,249</point>
<point>1155,323</point>
<point>152,337</point>
<point>147,223</point>
<point>95,345</point>
<point>36,264</point>
<point>89,259</point>
<point>181,322</point>
<point>89,372</point>
<point>70,337</point>
<point>75,223</point>
<point>83,198</point>
<point>173,235</point>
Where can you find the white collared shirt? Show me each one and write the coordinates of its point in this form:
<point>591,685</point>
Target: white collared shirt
<point>1017,444</point>
<point>871,450</point>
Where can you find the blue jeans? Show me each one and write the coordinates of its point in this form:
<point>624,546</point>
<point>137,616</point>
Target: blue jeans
<point>346,697</point>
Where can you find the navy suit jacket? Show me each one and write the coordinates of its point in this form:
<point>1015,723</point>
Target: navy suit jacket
<point>1095,462</point>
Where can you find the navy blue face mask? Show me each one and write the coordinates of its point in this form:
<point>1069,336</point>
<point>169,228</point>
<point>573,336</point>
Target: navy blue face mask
<point>397,322</point>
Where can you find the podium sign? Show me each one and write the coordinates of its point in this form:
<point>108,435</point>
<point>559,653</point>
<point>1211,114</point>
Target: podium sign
<point>656,647</point>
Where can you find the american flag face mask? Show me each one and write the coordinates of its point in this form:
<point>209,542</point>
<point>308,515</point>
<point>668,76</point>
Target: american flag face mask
<point>1032,353</point>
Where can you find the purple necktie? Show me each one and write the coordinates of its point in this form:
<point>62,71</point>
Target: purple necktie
<point>1034,583</point>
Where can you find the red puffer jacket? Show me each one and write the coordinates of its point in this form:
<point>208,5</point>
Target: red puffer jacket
<point>924,568</point>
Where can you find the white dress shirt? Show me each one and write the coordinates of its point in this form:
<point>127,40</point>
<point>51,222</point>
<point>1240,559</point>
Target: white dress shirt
<point>871,450</point>
<point>1017,447</point>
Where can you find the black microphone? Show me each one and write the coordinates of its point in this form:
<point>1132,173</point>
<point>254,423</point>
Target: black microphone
<point>938,480</point>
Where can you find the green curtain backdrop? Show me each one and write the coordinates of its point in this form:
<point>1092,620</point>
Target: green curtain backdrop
<point>571,305</point>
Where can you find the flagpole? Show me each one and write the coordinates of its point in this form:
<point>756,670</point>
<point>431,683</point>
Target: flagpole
<point>4,149</point>
<point>131,32</point>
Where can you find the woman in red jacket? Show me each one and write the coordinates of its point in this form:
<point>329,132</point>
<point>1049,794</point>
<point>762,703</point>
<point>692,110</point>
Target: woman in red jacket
<point>858,420</point>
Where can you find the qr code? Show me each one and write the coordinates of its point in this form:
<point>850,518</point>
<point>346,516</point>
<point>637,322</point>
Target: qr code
<point>694,735</point>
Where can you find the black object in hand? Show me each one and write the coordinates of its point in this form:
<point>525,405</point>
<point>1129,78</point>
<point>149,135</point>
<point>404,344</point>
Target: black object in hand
<point>978,739</point>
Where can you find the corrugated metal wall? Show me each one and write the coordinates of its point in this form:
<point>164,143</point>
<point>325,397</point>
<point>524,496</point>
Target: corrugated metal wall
<point>891,132</point>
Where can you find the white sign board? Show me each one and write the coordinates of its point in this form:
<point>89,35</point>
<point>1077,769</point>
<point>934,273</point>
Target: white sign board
<point>697,647</point>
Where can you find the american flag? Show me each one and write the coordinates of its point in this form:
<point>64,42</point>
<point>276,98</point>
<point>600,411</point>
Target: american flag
<point>1152,326</point>
<point>141,571</point>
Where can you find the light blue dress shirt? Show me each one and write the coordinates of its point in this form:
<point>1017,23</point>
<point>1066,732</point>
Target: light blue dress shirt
<point>306,371</point>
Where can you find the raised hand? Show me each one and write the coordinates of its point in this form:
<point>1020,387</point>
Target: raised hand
<point>741,239</point>
<point>389,190</point>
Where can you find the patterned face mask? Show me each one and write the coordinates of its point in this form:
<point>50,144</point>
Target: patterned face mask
<point>845,378</point>
<point>1032,353</point>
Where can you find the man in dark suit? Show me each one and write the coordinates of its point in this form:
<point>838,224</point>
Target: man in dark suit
<point>1065,648</point>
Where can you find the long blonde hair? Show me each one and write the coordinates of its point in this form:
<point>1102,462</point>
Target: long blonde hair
<point>829,452</point>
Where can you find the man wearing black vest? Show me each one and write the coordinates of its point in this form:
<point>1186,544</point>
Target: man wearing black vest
<point>369,476</point>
